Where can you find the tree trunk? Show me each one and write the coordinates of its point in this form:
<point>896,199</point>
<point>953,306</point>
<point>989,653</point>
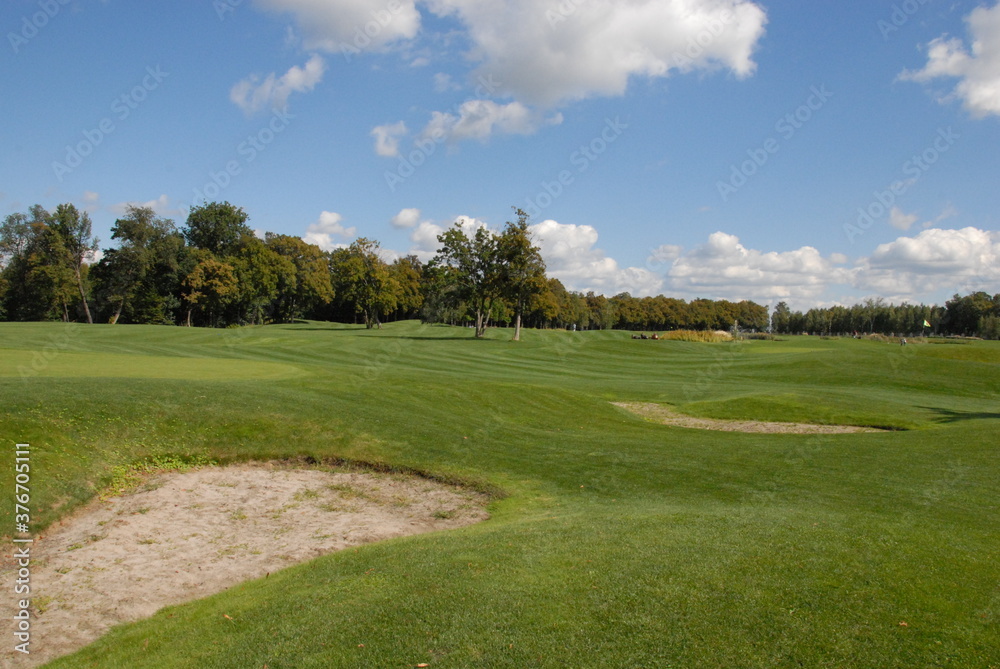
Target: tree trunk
<point>118,312</point>
<point>480,327</point>
<point>83,296</point>
<point>190,309</point>
<point>517,326</point>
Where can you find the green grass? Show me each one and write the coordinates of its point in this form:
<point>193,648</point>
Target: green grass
<point>614,542</point>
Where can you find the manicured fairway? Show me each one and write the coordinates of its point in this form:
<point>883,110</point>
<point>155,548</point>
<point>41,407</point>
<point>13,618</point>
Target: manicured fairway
<point>614,542</point>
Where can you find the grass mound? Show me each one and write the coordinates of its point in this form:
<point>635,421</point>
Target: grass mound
<point>832,408</point>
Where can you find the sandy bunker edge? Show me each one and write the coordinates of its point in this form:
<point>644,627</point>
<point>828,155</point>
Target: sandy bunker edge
<point>186,535</point>
<point>666,415</point>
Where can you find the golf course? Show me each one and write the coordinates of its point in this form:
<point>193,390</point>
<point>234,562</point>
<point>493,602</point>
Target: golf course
<point>612,539</point>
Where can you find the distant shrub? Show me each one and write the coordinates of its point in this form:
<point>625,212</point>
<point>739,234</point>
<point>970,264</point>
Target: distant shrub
<point>762,336</point>
<point>704,336</point>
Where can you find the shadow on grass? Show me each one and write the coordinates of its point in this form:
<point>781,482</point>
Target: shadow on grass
<point>361,331</point>
<point>337,328</point>
<point>954,416</point>
<point>419,338</point>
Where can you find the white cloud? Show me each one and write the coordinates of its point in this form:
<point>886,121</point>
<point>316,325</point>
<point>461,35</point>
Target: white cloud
<point>351,25</point>
<point>323,232</point>
<point>935,260</point>
<point>424,240</point>
<point>91,201</point>
<point>160,205</point>
<point>900,220</point>
<point>536,54</point>
<point>479,119</point>
<point>387,138</point>
<point>570,256</point>
<point>471,224</point>
<point>547,52</point>
<point>663,254</point>
<point>946,213</point>
<point>406,218</point>
<point>252,94</point>
<point>978,71</point>
<point>928,267</point>
<point>723,268</point>
<point>443,82</point>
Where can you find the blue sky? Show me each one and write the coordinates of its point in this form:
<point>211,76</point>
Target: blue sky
<point>816,153</point>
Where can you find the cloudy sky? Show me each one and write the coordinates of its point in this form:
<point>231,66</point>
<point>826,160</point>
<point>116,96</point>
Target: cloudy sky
<point>814,152</point>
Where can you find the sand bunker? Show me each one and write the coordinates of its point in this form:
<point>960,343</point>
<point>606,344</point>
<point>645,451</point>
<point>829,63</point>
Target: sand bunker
<point>187,536</point>
<point>661,413</point>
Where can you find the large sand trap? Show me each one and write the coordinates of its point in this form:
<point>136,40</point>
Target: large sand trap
<point>661,413</point>
<point>186,536</point>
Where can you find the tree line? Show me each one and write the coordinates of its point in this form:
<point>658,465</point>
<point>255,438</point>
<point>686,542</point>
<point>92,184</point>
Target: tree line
<point>213,271</point>
<point>975,314</point>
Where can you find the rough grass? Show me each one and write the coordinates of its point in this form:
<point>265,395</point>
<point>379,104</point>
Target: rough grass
<point>619,542</point>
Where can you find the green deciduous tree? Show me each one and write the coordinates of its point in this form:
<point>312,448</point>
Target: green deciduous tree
<point>77,245</point>
<point>19,236</point>
<point>309,286</point>
<point>43,263</point>
<point>49,274</point>
<point>148,256</point>
<point>259,272</point>
<point>470,270</point>
<point>781,318</point>
<point>217,227</point>
<point>964,313</point>
<point>210,287</point>
<point>521,268</point>
<point>362,278</point>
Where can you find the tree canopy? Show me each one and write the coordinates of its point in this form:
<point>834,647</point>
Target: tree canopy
<point>214,271</point>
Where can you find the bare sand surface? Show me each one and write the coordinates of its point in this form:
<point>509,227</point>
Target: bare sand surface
<point>661,413</point>
<point>183,536</point>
